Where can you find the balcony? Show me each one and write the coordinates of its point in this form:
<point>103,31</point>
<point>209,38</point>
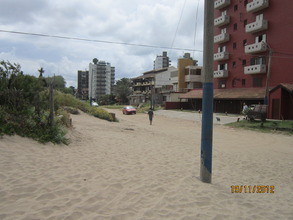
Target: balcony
<point>222,20</point>
<point>174,79</point>
<point>257,5</point>
<point>221,38</point>
<point>193,78</point>
<point>255,69</point>
<point>256,26</point>
<point>221,74</point>
<point>256,48</point>
<point>221,56</point>
<point>219,4</point>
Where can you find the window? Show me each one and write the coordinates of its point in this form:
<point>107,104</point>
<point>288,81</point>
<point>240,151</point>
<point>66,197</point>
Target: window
<point>243,62</point>
<point>261,38</point>
<point>234,82</point>
<point>244,42</point>
<point>243,82</point>
<point>245,23</point>
<point>222,66</point>
<point>257,82</point>
<point>234,64</point>
<point>257,60</point>
<point>222,84</point>
<point>235,27</point>
<point>245,2</point>
<point>222,49</point>
<point>198,72</point>
<point>234,45</point>
<point>235,7</point>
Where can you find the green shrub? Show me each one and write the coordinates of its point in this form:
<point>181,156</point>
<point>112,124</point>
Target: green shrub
<point>100,113</point>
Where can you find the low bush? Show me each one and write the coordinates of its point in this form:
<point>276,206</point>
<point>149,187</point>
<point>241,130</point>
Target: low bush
<point>69,102</point>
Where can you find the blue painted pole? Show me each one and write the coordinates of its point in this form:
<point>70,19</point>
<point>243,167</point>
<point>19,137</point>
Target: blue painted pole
<point>208,93</point>
<point>207,133</point>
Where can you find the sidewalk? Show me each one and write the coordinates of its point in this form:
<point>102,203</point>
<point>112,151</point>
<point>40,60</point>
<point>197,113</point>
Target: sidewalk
<point>195,116</point>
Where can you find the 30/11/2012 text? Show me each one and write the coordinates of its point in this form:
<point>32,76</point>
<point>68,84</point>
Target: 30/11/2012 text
<point>252,189</point>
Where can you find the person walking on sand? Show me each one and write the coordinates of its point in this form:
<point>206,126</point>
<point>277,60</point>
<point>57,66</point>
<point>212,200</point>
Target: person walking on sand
<point>151,115</point>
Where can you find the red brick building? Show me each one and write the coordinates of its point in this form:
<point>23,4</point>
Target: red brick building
<point>253,50</point>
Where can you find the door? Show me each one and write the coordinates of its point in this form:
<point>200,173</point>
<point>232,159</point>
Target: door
<point>276,109</point>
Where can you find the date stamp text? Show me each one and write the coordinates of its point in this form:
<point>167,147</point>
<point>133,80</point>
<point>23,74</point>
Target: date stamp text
<point>252,189</point>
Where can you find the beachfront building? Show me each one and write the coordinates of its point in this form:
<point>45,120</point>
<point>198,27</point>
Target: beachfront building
<point>82,84</point>
<point>162,61</point>
<point>252,55</point>
<point>101,78</point>
<point>144,87</point>
<point>164,87</point>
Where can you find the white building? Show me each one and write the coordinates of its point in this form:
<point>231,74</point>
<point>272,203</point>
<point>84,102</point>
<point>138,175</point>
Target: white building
<point>162,61</point>
<point>101,78</point>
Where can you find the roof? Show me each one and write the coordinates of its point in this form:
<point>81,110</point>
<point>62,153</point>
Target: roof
<point>286,86</point>
<point>237,93</point>
<point>152,73</point>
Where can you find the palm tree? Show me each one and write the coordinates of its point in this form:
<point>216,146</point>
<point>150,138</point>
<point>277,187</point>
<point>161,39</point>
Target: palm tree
<point>41,71</point>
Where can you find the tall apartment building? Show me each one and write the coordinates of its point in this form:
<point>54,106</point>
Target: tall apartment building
<point>245,33</point>
<point>82,84</point>
<point>253,51</point>
<point>101,78</point>
<point>162,61</point>
<point>253,56</point>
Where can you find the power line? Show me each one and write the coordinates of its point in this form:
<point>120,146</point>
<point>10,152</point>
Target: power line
<point>286,55</point>
<point>94,40</point>
<point>178,24</point>
<point>195,27</point>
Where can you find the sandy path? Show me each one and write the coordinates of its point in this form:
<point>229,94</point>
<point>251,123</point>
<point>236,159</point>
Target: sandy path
<point>131,170</point>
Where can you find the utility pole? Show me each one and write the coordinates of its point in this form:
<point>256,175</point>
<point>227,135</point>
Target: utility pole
<point>208,93</point>
<point>51,102</point>
<point>91,85</point>
<point>266,100</point>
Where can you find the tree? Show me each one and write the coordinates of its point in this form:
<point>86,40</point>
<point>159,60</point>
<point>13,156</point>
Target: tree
<point>59,81</point>
<point>106,99</point>
<point>123,90</point>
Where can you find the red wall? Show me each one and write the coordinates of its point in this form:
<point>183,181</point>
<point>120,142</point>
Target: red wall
<point>176,105</point>
<point>276,94</point>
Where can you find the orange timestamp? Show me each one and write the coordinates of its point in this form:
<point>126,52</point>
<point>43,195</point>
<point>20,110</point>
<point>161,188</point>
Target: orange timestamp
<point>252,189</point>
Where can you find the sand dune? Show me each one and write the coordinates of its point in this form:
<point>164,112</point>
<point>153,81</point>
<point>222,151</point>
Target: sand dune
<point>131,170</point>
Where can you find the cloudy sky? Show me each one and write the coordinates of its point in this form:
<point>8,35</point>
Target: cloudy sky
<point>162,25</point>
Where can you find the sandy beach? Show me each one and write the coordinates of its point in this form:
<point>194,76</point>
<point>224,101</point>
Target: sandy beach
<point>135,171</point>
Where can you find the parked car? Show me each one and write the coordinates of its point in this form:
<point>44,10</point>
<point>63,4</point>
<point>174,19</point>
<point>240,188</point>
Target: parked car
<point>128,110</point>
<point>95,104</point>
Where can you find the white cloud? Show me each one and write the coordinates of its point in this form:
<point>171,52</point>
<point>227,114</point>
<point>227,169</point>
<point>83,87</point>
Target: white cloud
<point>147,22</point>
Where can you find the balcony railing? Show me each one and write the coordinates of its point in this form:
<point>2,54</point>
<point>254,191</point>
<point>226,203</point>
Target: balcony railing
<point>257,5</point>
<point>219,4</point>
<point>221,56</point>
<point>193,78</point>
<point>222,20</point>
<point>256,26</point>
<point>256,48</point>
<point>221,38</point>
<point>221,74</point>
<point>255,69</point>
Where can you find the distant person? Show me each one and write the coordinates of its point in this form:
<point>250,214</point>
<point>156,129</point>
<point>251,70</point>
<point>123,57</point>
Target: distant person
<point>151,115</point>
<point>245,108</point>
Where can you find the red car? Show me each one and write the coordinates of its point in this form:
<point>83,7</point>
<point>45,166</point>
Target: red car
<point>129,110</point>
